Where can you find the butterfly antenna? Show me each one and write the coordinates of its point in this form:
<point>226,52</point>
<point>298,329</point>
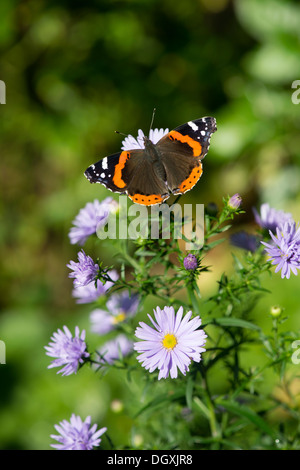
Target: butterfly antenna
<point>152,119</point>
<point>121,133</point>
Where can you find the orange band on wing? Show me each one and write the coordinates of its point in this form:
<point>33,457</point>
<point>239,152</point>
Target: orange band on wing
<point>148,200</point>
<point>187,184</point>
<point>196,146</point>
<point>117,179</point>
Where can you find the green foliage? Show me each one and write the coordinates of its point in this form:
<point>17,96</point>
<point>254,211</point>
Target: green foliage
<point>77,71</point>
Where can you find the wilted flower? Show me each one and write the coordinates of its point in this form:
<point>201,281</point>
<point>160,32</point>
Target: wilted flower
<point>85,271</point>
<point>120,307</point>
<point>190,262</point>
<point>285,252</point>
<point>90,218</point>
<point>90,293</point>
<point>172,343</point>
<point>77,434</point>
<point>69,352</point>
<point>115,349</point>
<point>270,218</point>
<point>130,143</point>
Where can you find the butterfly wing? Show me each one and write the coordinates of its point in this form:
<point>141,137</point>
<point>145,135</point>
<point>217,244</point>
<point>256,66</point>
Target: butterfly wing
<point>104,172</point>
<point>177,166</point>
<point>182,150</point>
<point>130,172</point>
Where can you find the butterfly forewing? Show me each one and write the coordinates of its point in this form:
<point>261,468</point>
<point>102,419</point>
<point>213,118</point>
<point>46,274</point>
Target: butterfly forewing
<point>182,150</point>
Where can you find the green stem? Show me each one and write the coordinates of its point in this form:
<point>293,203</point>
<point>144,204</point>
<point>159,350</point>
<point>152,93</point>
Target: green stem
<point>192,297</point>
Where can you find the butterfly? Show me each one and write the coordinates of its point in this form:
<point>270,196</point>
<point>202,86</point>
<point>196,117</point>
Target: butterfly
<point>151,174</point>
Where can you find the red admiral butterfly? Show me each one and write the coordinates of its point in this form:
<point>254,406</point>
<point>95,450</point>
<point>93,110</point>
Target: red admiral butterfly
<point>149,175</point>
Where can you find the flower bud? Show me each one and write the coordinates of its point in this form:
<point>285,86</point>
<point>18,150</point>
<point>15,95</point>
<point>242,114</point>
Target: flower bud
<point>235,201</point>
<point>190,262</point>
<point>275,311</point>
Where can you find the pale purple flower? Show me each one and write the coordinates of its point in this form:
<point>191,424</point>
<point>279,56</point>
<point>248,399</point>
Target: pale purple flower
<point>90,293</point>
<point>69,351</point>
<point>115,349</point>
<point>85,271</point>
<point>123,303</point>
<point>91,218</point>
<point>270,218</point>
<point>235,201</point>
<point>285,252</point>
<point>120,307</point>
<point>245,240</point>
<point>130,143</point>
<point>173,342</point>
<point>190,262</point>
<point>77,434</point>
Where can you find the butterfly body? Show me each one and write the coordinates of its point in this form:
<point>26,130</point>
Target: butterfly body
<point>149,175</point>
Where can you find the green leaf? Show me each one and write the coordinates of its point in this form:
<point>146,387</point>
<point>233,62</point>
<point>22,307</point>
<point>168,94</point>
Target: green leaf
<point>189,392</point>
<point>201,407</point>
<point>214,243</point>
<point>160,401</point>
<point>249,414</point>
<point>235,322</point>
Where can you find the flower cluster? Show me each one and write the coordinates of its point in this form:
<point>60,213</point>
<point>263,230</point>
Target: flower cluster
<point>173,340</point>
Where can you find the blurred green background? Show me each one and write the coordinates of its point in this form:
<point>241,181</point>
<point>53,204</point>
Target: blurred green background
<point>76,71</point>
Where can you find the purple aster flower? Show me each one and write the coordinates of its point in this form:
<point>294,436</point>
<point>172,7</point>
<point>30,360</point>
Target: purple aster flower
<point>172,343</point>
<point>89,219</point>
<point>190,262</point>
<point>68,351</point>
<point>115,349</point>
<point>270,218</point>
<point>285,252</point>
<point>85,271</point>
<point>123,303</point>
<point>131,143</point>
<point>90,293</point>
<point>120,307</point>
<point>77,434</point>
<point>245,240</point>
<point>235,201</point>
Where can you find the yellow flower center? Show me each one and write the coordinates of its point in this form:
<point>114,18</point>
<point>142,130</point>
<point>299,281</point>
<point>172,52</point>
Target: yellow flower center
<point>169,341</point>
<point>118,318</point>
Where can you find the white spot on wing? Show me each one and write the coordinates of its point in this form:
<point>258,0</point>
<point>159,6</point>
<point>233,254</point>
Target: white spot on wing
<point>104,163</point>
<point>193,125</point>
